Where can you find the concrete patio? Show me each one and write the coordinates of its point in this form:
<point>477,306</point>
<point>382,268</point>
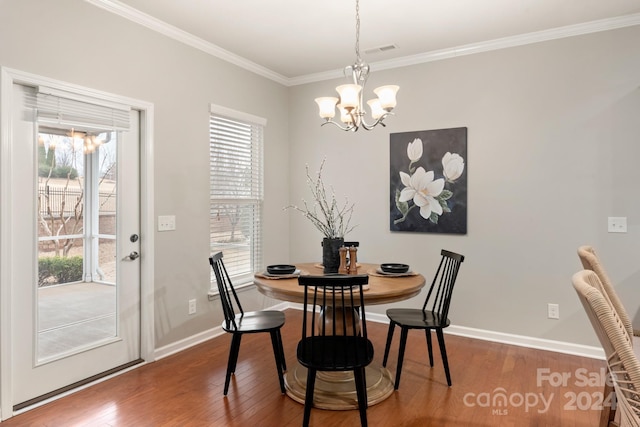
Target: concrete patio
<point>72,317</point>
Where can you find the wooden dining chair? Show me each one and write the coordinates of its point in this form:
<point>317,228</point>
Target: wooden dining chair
<point>431,317</point>
<point>334,333</point>
<point>610,329</point>
<point>238,322</point>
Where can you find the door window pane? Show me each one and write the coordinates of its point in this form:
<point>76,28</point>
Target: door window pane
<point>76,241</point>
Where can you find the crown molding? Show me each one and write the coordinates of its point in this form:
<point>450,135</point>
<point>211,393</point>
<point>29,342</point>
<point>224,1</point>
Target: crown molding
<point>134,15</point>
<point>485,46</point>
<point>127,12</point>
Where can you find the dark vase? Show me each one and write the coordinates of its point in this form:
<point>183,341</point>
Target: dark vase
<point>331,254</point>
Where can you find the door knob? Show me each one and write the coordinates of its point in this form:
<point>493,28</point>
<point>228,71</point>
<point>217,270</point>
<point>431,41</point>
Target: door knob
<point>133,255</point>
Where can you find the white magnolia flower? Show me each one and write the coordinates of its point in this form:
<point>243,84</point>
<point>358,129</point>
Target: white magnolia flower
<point>423,190</point>
<point>414,150</point>
<point>452,166</point>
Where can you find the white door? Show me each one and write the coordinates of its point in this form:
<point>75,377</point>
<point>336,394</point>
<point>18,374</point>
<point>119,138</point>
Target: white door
<point>74,261</point>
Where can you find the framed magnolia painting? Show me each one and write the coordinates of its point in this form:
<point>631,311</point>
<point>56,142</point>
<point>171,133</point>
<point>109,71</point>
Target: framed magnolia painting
<point>428,185</point>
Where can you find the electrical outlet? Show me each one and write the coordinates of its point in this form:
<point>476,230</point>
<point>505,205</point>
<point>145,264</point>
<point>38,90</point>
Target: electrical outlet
<point>553,311</point>
<point>192,306</point>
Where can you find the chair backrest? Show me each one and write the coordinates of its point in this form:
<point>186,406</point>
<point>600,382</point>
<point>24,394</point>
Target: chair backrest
<point>616,343</point>
<point>439,295</point>
<point>230,303</point>
<point>590,261</point>
<point>334,327</point>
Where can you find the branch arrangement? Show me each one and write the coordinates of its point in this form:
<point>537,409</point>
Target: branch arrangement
<point>332,220</point>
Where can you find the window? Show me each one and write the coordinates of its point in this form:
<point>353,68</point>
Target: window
<point>236,191</point>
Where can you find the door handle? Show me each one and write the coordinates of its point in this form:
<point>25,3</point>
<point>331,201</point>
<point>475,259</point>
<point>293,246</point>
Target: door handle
<point>133,255</point>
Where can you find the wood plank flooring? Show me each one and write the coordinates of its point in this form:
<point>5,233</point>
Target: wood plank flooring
<point>186,389</point>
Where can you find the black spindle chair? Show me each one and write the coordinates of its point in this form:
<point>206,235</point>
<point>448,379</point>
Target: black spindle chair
<point>334,333</point>
<point>431,317</point>
<point>238,322</point>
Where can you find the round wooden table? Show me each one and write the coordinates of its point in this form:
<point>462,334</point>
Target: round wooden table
<point>336,390</point>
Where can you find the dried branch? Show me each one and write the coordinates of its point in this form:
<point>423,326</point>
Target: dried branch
<point>326,215</point>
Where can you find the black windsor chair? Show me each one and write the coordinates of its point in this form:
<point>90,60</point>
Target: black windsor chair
<point>434,318</point>
<point>334,333</point>
<point>238,322</point>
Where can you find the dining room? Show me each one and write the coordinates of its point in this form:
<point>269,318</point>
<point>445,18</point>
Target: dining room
<point>550,131</point>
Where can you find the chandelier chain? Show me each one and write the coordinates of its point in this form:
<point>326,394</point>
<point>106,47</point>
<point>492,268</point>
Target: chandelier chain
<point>359,60</point>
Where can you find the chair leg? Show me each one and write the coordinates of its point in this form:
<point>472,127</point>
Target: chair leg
<point>427,332</point>
<point>392,326</point>
<point>233,359</point>
<point>443,352</point>
<point>403,344</point>
<point>281,348</point>
<point>361,392</point>
<point>279,356</point>
<point>308,400</point>
<point>608,413</point>
<point>235,349</point>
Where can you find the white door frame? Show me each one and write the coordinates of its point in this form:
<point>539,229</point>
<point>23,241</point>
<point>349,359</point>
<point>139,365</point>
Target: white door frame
<point>8,77</point>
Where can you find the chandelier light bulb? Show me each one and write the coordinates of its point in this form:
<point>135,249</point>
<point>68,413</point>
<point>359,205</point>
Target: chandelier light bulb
<point>327,106</point>
<point>349,95</point>
<point>376,108</point>
<point>387,96</point>
<point>345,116</point>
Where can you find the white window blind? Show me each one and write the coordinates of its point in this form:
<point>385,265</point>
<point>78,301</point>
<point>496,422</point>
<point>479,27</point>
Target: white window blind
<point>236,191</point>
<point>61,109</point>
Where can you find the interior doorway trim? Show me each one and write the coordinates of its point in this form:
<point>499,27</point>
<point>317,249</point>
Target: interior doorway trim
<point>9,77</point>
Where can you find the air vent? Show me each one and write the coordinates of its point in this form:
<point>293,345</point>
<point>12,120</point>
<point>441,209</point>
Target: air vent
<point>380,49</point>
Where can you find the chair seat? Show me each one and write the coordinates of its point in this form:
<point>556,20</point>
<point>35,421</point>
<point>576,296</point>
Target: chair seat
<point>416,318</point>
<point>255,321</point>
<point>331,353</point>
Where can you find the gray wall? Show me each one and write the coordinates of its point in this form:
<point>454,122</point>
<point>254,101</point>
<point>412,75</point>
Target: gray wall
<point>76,42</point>
<point>553,144</point>
<point>553,135</point>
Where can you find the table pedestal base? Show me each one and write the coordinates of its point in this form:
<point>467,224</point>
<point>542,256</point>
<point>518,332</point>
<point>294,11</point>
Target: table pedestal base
<point>337,390</point>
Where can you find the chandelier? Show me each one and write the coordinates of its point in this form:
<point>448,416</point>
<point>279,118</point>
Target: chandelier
<point>350,103</point>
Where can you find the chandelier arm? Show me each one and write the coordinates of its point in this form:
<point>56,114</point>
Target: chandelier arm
<point>379,121</point>
<point>346,128</point>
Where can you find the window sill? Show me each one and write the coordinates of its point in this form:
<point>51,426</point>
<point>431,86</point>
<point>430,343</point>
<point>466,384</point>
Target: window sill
<point>213,292</point>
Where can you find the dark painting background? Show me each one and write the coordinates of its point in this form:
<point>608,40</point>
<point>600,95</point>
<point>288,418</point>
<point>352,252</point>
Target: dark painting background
<point>435,143</point>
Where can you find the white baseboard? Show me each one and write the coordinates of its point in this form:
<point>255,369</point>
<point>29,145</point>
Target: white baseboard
<point>481,334</point>
<point>201,337</point>
<point>530,342</point>
<point>512,339</point>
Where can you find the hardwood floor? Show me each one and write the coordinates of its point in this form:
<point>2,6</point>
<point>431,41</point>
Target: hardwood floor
<point>186,389</point>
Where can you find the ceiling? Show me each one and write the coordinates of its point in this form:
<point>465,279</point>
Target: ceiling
<point>296,40</point>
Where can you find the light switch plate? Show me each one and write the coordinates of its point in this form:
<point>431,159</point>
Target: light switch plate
<point>617,224</point>
<point>166,222</point>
